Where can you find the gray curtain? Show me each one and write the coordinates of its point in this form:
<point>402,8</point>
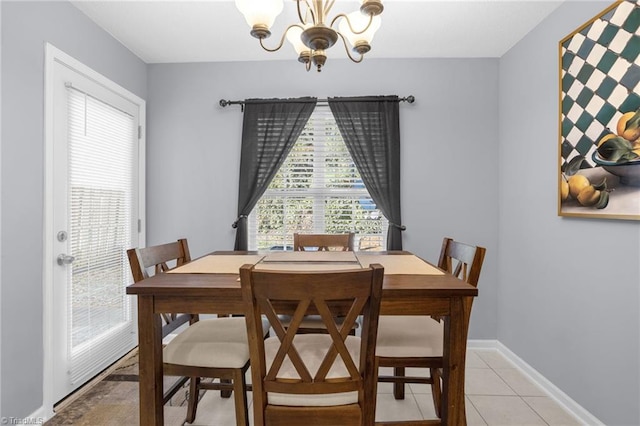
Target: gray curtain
<point>269,131</point>
<point>370,127</point>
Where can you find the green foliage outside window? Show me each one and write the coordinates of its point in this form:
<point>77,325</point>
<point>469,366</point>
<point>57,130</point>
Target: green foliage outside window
<point>318,190</point>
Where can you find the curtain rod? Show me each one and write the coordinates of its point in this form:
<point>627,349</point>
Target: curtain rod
<point>223,102</point>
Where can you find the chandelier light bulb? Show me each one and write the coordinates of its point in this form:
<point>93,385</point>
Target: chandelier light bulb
<point>293,35</point>
<point>359,21</point>
<point>260,14</point>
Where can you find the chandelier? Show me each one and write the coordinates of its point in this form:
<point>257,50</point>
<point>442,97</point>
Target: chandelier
<point>314,33</point>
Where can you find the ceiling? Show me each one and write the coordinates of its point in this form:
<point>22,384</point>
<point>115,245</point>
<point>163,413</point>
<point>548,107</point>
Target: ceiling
<point>162,31</point>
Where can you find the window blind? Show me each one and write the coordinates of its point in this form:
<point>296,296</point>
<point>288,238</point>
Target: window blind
<point>101,191</point>
<point>317,190</point>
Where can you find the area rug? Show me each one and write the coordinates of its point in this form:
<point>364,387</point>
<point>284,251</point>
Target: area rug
<point>113,399</point>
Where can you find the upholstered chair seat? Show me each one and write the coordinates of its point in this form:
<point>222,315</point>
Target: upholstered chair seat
<point>409,336</point>
<point>218,343</point>
<point>312,348</point>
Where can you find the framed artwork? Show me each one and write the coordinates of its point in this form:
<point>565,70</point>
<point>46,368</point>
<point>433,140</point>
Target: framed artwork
<point>599,116</point>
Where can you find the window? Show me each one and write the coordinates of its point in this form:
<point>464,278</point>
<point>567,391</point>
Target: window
<point>102,145</point>
<point>317,190</point>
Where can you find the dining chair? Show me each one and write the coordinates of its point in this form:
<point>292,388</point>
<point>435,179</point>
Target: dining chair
<point>212,348</point>
<point>417,341</point>
<point>321,242</point>
<point>313,379</point>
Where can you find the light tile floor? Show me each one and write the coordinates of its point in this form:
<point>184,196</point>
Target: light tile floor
<point>497,393</point>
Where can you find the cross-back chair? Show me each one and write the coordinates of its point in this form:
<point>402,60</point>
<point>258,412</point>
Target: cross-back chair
<point>313,379</point>
<point>417,341</point>
<point>211,348</point>
<point>323,242</point>
<point>160,259</point>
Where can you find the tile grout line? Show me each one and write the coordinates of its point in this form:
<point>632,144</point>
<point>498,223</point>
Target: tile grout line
<point>565,402</point>
<point>536,411</point>
<point>517,393</point>
<point>477,411</point>
<point>415,400</point>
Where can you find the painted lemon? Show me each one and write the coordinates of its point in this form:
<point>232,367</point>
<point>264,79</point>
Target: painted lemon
<point>588,196</point>
<point>630,133</point>
<point>564,190</point>
<point>606,138</point>
<point>576,184</point>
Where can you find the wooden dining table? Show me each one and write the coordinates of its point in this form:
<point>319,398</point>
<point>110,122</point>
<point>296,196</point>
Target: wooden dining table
<point>417,288</point>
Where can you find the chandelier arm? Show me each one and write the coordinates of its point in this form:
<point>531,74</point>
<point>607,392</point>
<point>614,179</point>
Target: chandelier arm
<point>328,7</point>
<point>346,49</point>
<point>303,21</point>
<point>342,15</point>
<point>284,35</point>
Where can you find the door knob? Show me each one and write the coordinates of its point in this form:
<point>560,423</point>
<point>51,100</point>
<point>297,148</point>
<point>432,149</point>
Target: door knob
<point>64,259</point>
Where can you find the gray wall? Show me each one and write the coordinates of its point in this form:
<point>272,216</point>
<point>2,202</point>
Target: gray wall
<point>448,153</point>
<point>26,26</point>
<point>479,164</point>
<point>568,288</point>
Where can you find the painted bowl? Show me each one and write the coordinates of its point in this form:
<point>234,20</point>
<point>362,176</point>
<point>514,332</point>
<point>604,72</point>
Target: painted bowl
<point>629,172</point>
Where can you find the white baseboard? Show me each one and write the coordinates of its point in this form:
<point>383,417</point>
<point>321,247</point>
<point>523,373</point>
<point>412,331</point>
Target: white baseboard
<point>555,393</point>
<point>38,417</point>
<point>482,344</point>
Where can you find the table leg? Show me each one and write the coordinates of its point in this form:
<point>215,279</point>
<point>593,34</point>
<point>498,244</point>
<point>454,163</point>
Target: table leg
<point>455,348</point>
<point>150,364</point>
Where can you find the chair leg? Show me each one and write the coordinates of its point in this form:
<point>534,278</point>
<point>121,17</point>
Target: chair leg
<point>240,398</point>
<point>194,396</point>
<point>436,391</point>
<point>225,393</point>
<point>398,387</point>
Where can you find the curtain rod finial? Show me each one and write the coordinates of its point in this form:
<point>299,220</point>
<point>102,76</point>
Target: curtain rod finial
<point>224,103</point>
<point>411,99</point>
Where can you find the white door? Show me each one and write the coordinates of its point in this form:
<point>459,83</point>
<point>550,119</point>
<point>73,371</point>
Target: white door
<point>94,200</point>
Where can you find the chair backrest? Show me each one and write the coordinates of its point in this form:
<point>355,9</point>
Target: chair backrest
<point>462,260</point>
<point>158,259</point>
<point>323,242</point>
<point>272,293</point>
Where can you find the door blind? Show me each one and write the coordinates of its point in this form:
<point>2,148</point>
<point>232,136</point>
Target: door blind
<point>317,190</point>
<point>101,190</point>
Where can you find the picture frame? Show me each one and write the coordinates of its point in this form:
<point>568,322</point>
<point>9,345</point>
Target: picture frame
<point>599,116</point>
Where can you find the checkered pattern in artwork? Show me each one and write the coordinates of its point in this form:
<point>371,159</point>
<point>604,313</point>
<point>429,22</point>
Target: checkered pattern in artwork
<point>600,79</point>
